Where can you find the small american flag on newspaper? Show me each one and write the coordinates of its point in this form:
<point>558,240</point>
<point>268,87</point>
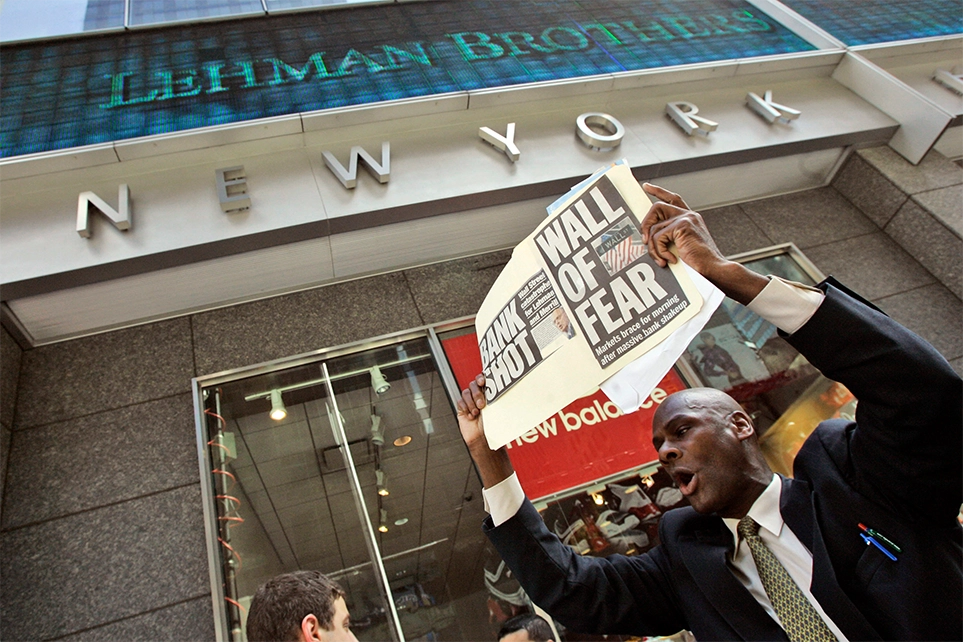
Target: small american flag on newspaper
<point>620,246</point>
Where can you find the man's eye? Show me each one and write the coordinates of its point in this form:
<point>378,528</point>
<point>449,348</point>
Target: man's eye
<point>681,431</point>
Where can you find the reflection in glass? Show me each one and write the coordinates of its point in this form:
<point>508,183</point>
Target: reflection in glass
<point>23,19</point>
<point>144,12</point>
<point>742,353</point>
<point>277,5</point>
<point>104,14</point>
<point>286,502</point>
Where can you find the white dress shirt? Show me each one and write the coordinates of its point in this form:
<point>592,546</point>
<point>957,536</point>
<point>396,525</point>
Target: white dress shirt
<point>784,544</point>
<point>788,306</point>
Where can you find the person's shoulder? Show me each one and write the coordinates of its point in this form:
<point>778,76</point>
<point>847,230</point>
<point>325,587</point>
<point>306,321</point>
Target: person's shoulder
<point>831,437</point>
<point>686,522</point>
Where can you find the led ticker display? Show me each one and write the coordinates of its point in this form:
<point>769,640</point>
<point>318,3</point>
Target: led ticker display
<point>860,22</point>
<point>67,93</point>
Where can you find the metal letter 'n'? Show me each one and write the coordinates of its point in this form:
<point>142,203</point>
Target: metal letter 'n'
<point>349,176</point>
<point>119,219</point>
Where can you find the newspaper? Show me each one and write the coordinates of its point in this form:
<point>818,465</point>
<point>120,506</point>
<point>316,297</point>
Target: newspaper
<point>579,300</point>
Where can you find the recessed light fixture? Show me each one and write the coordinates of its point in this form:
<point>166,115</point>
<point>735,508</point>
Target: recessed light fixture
<point>404,440</point>
<point>378,381</point>
<point>383,526</point>
<point>278,411</point>
<point>401,522</point>
<point>598,499</point>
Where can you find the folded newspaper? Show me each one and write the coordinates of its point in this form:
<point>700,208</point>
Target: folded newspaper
<point>579,300</point>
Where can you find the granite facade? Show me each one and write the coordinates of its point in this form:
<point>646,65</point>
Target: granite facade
<point>119,454</point>
<point>10,357</point>
<point>102,534</point>
<point>919,206</point>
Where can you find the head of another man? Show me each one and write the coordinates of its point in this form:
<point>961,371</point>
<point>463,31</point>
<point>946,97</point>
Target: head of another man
<point>303,606</point>
<point>708,444</point>
<point>525,628</point>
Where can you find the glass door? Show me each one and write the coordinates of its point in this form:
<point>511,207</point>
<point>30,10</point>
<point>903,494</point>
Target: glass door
<point>349,463</point>
<point>286,495</point>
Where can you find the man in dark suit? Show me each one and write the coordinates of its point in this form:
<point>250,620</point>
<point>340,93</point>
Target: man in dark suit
<point>863,543</point>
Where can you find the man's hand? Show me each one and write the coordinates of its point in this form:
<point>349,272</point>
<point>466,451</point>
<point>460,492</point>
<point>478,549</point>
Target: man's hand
<point>469,413</point>
<point>670,222</point>
<point>493,465</point>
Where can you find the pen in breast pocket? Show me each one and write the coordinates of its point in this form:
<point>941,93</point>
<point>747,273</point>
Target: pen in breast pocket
<point>872,532</point>
<point>869,540</point>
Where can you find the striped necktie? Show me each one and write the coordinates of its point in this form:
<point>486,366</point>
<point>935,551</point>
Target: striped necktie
<point>799,619</point>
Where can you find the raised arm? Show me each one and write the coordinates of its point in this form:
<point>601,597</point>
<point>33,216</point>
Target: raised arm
<point>907,448</point>
<point>493,466</point>
<point>584,593</point>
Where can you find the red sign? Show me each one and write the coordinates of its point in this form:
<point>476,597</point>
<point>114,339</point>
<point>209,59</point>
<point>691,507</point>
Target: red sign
<point>587,440</point>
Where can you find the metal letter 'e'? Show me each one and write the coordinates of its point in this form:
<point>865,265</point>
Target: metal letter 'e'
<point>232,189</point>
<point>684,115</point>
<point>594,140</point>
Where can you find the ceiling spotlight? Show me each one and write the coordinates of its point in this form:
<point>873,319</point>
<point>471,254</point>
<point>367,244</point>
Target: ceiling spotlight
<point>383,526</point>
<point>404,440</point>
<point>598,499</point>
<point>378,381</point>
<point>377,433</point>
<point>382,486</point>
<point>278,411</point>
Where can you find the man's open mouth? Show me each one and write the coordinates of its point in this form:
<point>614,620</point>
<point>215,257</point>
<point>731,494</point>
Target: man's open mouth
<point>684,479</point>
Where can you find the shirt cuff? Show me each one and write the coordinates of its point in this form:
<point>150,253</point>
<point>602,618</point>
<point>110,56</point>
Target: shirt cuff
<point>504,499</point>
<point>786,304</point>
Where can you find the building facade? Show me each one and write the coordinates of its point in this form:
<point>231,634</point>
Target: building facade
<point>183,225</point>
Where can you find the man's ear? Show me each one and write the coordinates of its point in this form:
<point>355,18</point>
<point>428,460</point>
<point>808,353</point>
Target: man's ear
<point>310,628</point>
<point>742,425</point>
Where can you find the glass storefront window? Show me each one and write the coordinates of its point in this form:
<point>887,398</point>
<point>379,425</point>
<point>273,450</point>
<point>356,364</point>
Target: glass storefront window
<point>742,354</point>
<point>398,529</point>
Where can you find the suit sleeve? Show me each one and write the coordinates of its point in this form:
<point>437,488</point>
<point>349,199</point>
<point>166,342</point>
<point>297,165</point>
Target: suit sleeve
<point>906,450</point>
<point>616,594</point>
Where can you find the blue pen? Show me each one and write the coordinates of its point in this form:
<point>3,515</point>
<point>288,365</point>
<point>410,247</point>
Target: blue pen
<point>870,540</point>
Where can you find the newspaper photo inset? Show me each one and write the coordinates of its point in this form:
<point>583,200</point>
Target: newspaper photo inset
<point>620,246</point>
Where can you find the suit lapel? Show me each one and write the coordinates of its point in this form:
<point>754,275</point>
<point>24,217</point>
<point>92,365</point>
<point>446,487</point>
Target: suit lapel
<point>704,553</point>
<point>796,506</point>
